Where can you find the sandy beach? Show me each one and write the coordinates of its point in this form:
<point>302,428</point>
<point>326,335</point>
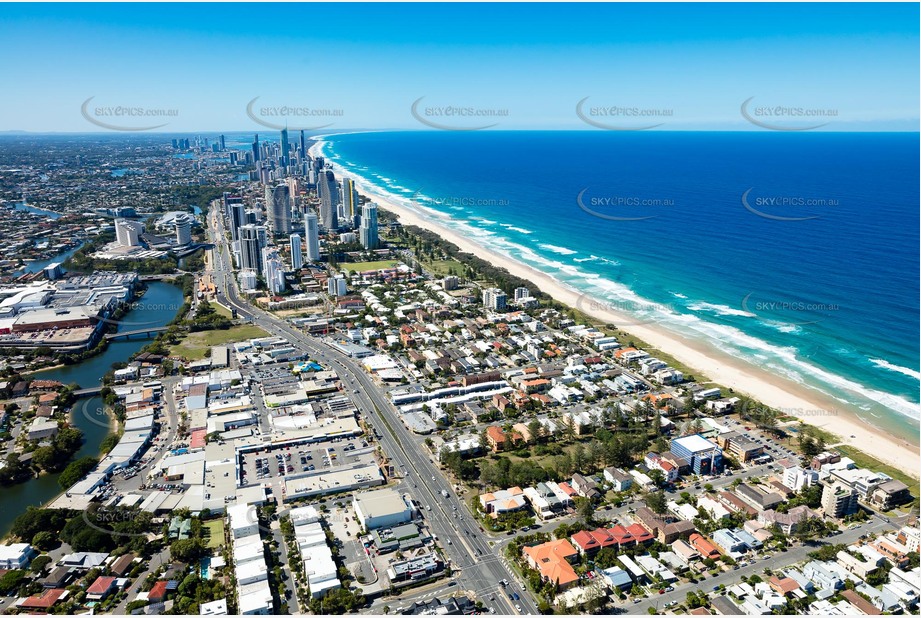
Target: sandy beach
<point>775,391</point>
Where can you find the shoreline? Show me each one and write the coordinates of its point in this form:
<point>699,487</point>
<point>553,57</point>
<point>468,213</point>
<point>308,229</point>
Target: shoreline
<point>810,407</point>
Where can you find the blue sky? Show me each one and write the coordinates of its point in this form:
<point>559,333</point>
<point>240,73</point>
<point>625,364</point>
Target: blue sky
<point>694,64</point>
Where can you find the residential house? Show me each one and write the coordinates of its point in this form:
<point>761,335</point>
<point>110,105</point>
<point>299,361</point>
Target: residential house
<point>787,522</point>
<point>702,546</point>
<point>503,501</point>
<point>664,528</point>
<point>552,561</point>
<point>619,480</point>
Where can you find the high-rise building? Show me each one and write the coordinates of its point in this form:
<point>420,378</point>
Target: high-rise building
<point>369,238</point>
<point>297,257</point>
<point>250,252</point>
<point>248,280</point>
<point>838,500</point>
<point>237,218</point>
<point>273,270</point>
<point>335,286</point>
<point>303,146</point>
<point>285,147</point>
<point>328,190</point>
<point>495,299</point>
<point>223,144</point>
<point>128,233</point>
<point>278,208</point>
<point>256,156</point>
<point>349,206</point>
<point>312,232</point>
<point>521,293</point>
<point>183,224</point>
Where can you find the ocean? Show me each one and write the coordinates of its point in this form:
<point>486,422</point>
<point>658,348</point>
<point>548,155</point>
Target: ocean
<point>796,252</point>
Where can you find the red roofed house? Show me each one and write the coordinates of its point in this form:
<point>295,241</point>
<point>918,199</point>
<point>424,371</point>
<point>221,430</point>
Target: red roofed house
<point>704,547</point>
<point>591,541</point>
<point>783,585</point>
<point>498,439</point>
<point>860,604</point>
<point>45,600</point>
<point>101,588</point>
<point>551,560</point>
<point>568,490</point>
<point>623,536</point>
<point>641,535</point>
<point>157,593</point>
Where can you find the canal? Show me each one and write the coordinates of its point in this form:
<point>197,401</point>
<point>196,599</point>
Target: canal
<point>157,307</point>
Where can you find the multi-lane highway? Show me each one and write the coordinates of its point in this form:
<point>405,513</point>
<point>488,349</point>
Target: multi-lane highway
<point>481,569</point>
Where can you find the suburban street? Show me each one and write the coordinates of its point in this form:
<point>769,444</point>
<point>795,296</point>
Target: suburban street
<point>728,578</point>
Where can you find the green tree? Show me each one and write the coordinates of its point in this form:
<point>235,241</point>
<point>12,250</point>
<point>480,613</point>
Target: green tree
<point>656,502</point>
<point>585,510</point>
<point>45,540</point>
<point>76,470</point>
<point>39,563</point>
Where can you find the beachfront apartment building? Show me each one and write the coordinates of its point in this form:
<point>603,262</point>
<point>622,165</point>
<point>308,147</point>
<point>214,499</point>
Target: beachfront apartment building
<point>495,299</point>
<point>797,478</point>
<point>838,500</point>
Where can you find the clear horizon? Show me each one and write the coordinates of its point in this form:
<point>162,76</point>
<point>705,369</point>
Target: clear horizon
<point>684,67</point>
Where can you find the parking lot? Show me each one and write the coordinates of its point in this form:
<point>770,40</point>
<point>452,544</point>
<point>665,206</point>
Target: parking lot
<point>273,465</point>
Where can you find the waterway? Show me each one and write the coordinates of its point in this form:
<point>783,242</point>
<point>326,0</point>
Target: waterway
<point>34,267</point>
<point>38,211</point>
<point>155,308</point>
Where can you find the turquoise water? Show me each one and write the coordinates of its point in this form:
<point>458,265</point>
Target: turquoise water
<point>654,224</point>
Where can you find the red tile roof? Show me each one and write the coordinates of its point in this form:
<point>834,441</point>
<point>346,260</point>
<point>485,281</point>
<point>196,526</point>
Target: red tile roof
<point>641,534</point>
<point>158,592</point>
<point>44,600</point>
<point>551,560</point>
<point>783,585</point>
<point>101,585</point>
